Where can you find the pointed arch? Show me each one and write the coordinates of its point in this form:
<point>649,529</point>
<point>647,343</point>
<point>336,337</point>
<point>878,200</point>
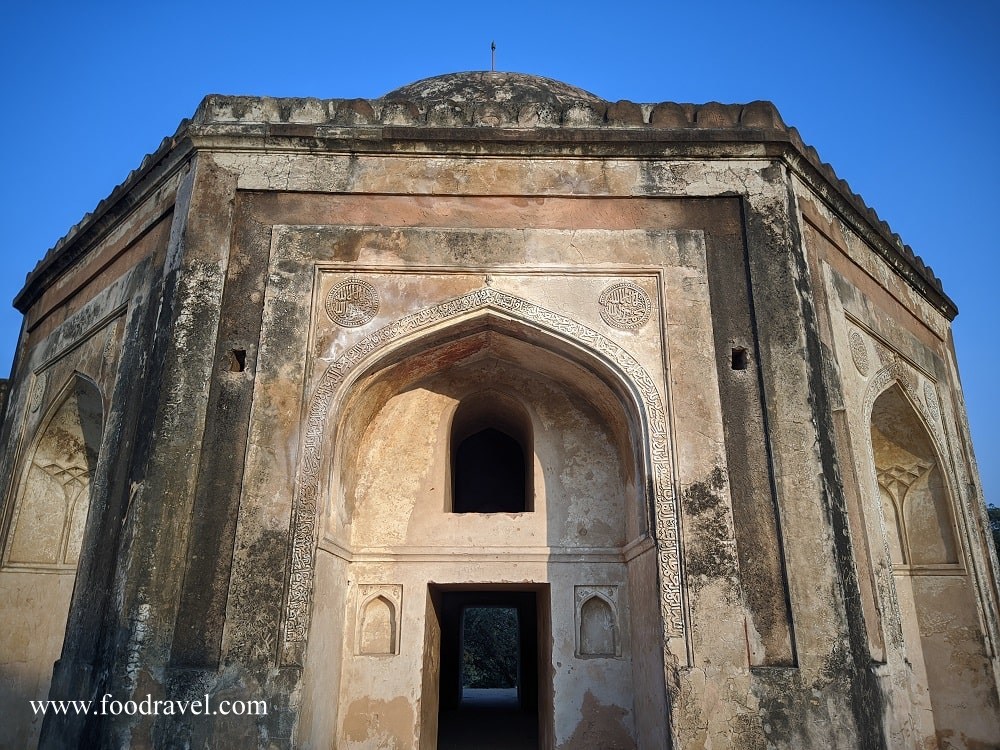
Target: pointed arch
<point>485,308</point>
<point>490,444</point>
<point>934,600</point>
<point>49,504</point>
<point>898,375</point>
<point>892,483</point>
<point>910,479</point>
<point>52,497</point>
<point>377,626</point>
<point>598,627</point>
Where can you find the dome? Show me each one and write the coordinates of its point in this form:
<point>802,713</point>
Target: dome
<point>485,86</point>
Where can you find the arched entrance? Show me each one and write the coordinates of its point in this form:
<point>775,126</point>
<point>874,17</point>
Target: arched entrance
<point>585,526</point>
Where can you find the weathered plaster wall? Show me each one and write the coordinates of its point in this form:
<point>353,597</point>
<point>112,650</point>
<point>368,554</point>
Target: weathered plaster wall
<point>927,616</point>
<point>362,246</point>
<point>75,331</point>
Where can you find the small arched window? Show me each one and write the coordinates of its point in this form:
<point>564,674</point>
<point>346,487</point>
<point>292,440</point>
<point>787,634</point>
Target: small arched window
<point>491,450</point>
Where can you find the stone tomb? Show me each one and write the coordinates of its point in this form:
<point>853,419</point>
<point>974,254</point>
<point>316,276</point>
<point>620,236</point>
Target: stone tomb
<point>324,381</point>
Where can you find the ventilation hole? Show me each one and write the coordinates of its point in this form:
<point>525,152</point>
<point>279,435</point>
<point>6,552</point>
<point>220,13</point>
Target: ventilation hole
<point>237,360</point>
<point>740,358</point>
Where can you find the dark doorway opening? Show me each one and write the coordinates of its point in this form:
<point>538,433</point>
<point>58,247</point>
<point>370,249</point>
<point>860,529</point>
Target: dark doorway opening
<point>489,678</point>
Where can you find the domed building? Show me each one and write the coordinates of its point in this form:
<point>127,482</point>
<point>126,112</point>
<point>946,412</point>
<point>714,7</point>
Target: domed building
<point>491,414</point>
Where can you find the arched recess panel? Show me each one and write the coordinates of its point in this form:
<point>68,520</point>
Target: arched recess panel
<point>914,497</point>
<point>639,403</point>
<point>597,621</point>
<point>394,477</point>
<point>389,434</point>
<point>44,536</point>
<point>937,601</point>
<point>378,625</point>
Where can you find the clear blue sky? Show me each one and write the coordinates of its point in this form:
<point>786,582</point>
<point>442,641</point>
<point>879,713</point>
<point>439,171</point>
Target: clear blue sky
<point>901,97</point>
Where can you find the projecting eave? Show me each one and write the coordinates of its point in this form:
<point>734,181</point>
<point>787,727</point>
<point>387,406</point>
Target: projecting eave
<point>569,124</point>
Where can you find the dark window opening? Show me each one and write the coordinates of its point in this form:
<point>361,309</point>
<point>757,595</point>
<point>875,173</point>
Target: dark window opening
<point>489,471</point>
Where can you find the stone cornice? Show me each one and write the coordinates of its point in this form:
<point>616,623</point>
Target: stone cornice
<point>578,128</point>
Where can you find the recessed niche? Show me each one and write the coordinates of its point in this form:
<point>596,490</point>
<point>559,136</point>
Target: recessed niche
<point>491,450</point>
<point>597,631</point>
<point>378,619</point>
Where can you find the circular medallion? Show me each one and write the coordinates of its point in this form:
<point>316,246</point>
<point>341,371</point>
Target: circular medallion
<point>859,352</point>
<point>352,303</point>
<point>625,306</point>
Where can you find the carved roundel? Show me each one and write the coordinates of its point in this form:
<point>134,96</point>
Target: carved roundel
<point>859,352</point>
<point>352,303</point>
<point>625,306</point>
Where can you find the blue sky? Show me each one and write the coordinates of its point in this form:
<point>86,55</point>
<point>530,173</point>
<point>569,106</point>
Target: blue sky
<point>901,97</point>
